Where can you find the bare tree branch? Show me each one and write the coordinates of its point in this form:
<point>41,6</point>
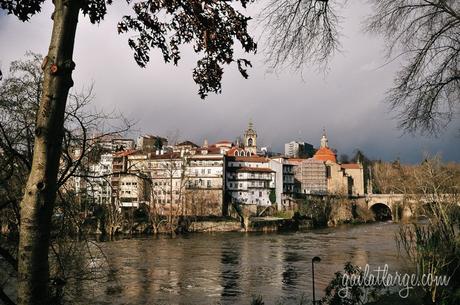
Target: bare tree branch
<point>426,35</point>
<point>298,32</point>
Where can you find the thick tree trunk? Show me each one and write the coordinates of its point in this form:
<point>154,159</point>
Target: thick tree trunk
<point>40,192</point>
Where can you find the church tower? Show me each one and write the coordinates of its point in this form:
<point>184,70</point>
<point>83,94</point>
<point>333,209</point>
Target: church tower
<point>250,139</point>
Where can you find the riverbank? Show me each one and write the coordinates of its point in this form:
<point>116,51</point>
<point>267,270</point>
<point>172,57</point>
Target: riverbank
<point>230,224</point>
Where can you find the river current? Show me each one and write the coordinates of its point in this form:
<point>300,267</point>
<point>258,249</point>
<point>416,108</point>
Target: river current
<point>231,268</point>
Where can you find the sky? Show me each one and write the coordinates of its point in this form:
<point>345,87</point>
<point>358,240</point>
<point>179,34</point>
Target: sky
<point>347,99</point>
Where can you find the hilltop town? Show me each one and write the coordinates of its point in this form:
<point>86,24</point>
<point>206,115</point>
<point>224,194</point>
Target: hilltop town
<point>205,180</point>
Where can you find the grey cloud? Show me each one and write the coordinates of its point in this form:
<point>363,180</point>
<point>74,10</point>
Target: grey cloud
<point>347,100</point>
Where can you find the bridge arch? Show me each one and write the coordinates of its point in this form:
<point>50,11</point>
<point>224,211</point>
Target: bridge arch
<point>382,211</point>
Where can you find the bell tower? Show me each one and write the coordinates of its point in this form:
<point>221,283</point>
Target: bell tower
<point>250,139</point>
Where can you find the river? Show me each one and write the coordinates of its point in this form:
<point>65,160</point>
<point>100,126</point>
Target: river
<point>231,268</point>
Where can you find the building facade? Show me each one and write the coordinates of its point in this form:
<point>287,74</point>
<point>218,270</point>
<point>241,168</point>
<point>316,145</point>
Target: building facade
<point>295,149</point>
<point>205,188</point>
<point>250,180</point>
<point>311,176</point>
<point>285,188</point>
<point>94,183</point>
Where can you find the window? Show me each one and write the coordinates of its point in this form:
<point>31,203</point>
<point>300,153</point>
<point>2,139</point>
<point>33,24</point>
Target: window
<point>209,171</point>
<point>209,183</point>
<point>260,194</point>
<point>203,171</point>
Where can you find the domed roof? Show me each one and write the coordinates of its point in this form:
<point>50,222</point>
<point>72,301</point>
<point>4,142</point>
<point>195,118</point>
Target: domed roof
<point>325,154</point>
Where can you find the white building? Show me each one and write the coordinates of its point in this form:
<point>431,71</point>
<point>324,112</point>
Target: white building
<point>96,184</point>
<point>250,180</point>
<point>285,183</point>
<point>132,192</point>
<point>296,149</point>
<point>122,144</point>
<point>205,188</point>
<point>129,186</point>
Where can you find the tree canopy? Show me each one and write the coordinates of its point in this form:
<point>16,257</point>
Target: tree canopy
<point>210,26</point>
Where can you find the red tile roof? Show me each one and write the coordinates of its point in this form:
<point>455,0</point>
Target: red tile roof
<point>325,154</point>
<point>351,166</point>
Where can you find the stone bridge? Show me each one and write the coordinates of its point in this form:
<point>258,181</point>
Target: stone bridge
<point>385,206</point>
<point>397,206</point>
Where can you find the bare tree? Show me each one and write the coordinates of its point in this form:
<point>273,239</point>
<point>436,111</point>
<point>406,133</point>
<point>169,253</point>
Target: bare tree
<point>299,32</point>
<point>426,34</point>
<point>20,94</point>
<point>433,246</point>
<point>393,177</point>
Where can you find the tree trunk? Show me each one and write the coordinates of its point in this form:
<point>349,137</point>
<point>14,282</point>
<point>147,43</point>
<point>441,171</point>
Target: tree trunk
<point>40,192</point>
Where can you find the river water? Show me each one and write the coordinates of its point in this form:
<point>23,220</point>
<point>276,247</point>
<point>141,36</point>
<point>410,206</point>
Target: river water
<point>231,268</point>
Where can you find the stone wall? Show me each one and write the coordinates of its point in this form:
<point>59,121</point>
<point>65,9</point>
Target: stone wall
<point>215,226</point>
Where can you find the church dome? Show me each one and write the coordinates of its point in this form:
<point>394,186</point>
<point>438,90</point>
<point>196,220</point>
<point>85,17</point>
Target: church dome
<point>325,154</point>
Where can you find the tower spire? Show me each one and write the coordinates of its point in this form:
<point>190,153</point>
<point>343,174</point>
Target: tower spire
<point>324,141</point>
<point>250,125</point>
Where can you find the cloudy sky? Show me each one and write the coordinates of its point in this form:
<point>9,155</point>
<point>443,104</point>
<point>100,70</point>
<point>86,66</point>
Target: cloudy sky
<point>347,100</point>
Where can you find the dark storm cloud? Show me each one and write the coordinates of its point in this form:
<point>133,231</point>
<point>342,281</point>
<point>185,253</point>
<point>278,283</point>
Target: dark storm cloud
<point>347,100</point>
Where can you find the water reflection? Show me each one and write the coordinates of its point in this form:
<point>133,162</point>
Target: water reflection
<point>230,268</point>
<point>290,274</point>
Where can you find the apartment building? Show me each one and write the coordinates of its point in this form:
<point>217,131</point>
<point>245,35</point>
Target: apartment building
<point>250,180</point>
